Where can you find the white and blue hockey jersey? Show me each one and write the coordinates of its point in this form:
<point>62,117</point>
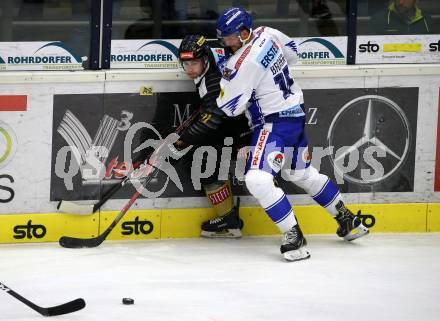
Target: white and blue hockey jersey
<point>256,79</point>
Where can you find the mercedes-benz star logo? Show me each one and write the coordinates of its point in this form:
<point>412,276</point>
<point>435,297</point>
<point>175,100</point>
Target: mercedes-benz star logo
<point>375,121</point>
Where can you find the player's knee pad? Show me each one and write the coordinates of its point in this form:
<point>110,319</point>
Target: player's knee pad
<point>309,179</point>
<point>261,185</point>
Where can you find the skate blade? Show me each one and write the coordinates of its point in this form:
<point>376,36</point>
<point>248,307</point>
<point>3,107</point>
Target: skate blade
<point>296,255</point>
<point>358,232</point>
<point>227,233</point>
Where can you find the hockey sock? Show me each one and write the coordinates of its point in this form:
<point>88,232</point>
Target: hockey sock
<point>328,196</point>
<point>281,212</point>
<point>318,186</point>
<point>219,195</point>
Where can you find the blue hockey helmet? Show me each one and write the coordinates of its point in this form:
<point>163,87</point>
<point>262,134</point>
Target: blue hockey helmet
<point>232,20</point>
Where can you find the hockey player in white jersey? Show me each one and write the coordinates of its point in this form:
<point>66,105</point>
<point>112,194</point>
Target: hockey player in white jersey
<point>256,81</point>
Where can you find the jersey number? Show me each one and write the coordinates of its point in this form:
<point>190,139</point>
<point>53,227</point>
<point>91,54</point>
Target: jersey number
<point>283,80</point>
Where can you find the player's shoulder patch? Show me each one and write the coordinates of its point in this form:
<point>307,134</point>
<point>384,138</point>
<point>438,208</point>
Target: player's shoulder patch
<point>229,74</point>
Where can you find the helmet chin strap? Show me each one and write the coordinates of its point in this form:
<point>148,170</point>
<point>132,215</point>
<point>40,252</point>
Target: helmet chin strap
<point>206,62</point>
<point>205,70</point>
<point>243,41</point>
<point>206,65</point>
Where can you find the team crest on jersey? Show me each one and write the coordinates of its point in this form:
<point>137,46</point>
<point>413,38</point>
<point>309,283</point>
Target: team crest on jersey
<point>275,160</point>
<point>229,74</point>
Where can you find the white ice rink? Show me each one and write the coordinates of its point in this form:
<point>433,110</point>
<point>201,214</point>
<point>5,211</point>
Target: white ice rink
<point>392,277</point>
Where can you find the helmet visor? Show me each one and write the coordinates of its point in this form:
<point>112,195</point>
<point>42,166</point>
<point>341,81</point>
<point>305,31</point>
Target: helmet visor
<point>228,40</point>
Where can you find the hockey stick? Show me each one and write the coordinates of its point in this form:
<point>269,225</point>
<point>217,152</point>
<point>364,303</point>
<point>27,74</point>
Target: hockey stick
<point>74,208</point>
<point>65,308</point>
<point>74,243</point>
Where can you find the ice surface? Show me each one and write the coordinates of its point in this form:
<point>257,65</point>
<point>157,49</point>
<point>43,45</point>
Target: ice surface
<point>392,277</point>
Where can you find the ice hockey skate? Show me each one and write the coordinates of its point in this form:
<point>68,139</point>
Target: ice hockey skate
<point>227,226</point>
<point>350,225</point>
<point>294,245</point>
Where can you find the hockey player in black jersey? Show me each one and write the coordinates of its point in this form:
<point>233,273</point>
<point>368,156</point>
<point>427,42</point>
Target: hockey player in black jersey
<point>210,129</point>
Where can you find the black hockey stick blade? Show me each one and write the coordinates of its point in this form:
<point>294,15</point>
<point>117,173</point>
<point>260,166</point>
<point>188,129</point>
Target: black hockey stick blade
<point>65,308</point>
<point>77,243</point>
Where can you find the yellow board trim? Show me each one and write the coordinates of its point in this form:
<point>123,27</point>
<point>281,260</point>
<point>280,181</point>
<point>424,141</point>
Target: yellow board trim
<point>433,217</point>
<point>185,223</point>
<point>55,225</point>
<point>135,225</point>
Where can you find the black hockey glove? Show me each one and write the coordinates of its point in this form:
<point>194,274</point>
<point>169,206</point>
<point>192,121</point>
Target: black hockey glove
<point>206,125</point>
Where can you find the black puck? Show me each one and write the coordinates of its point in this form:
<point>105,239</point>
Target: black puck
<point>127,301</point>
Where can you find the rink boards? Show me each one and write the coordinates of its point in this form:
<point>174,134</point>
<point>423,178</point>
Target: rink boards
<point>185,223</point>
<point>36,124</point>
